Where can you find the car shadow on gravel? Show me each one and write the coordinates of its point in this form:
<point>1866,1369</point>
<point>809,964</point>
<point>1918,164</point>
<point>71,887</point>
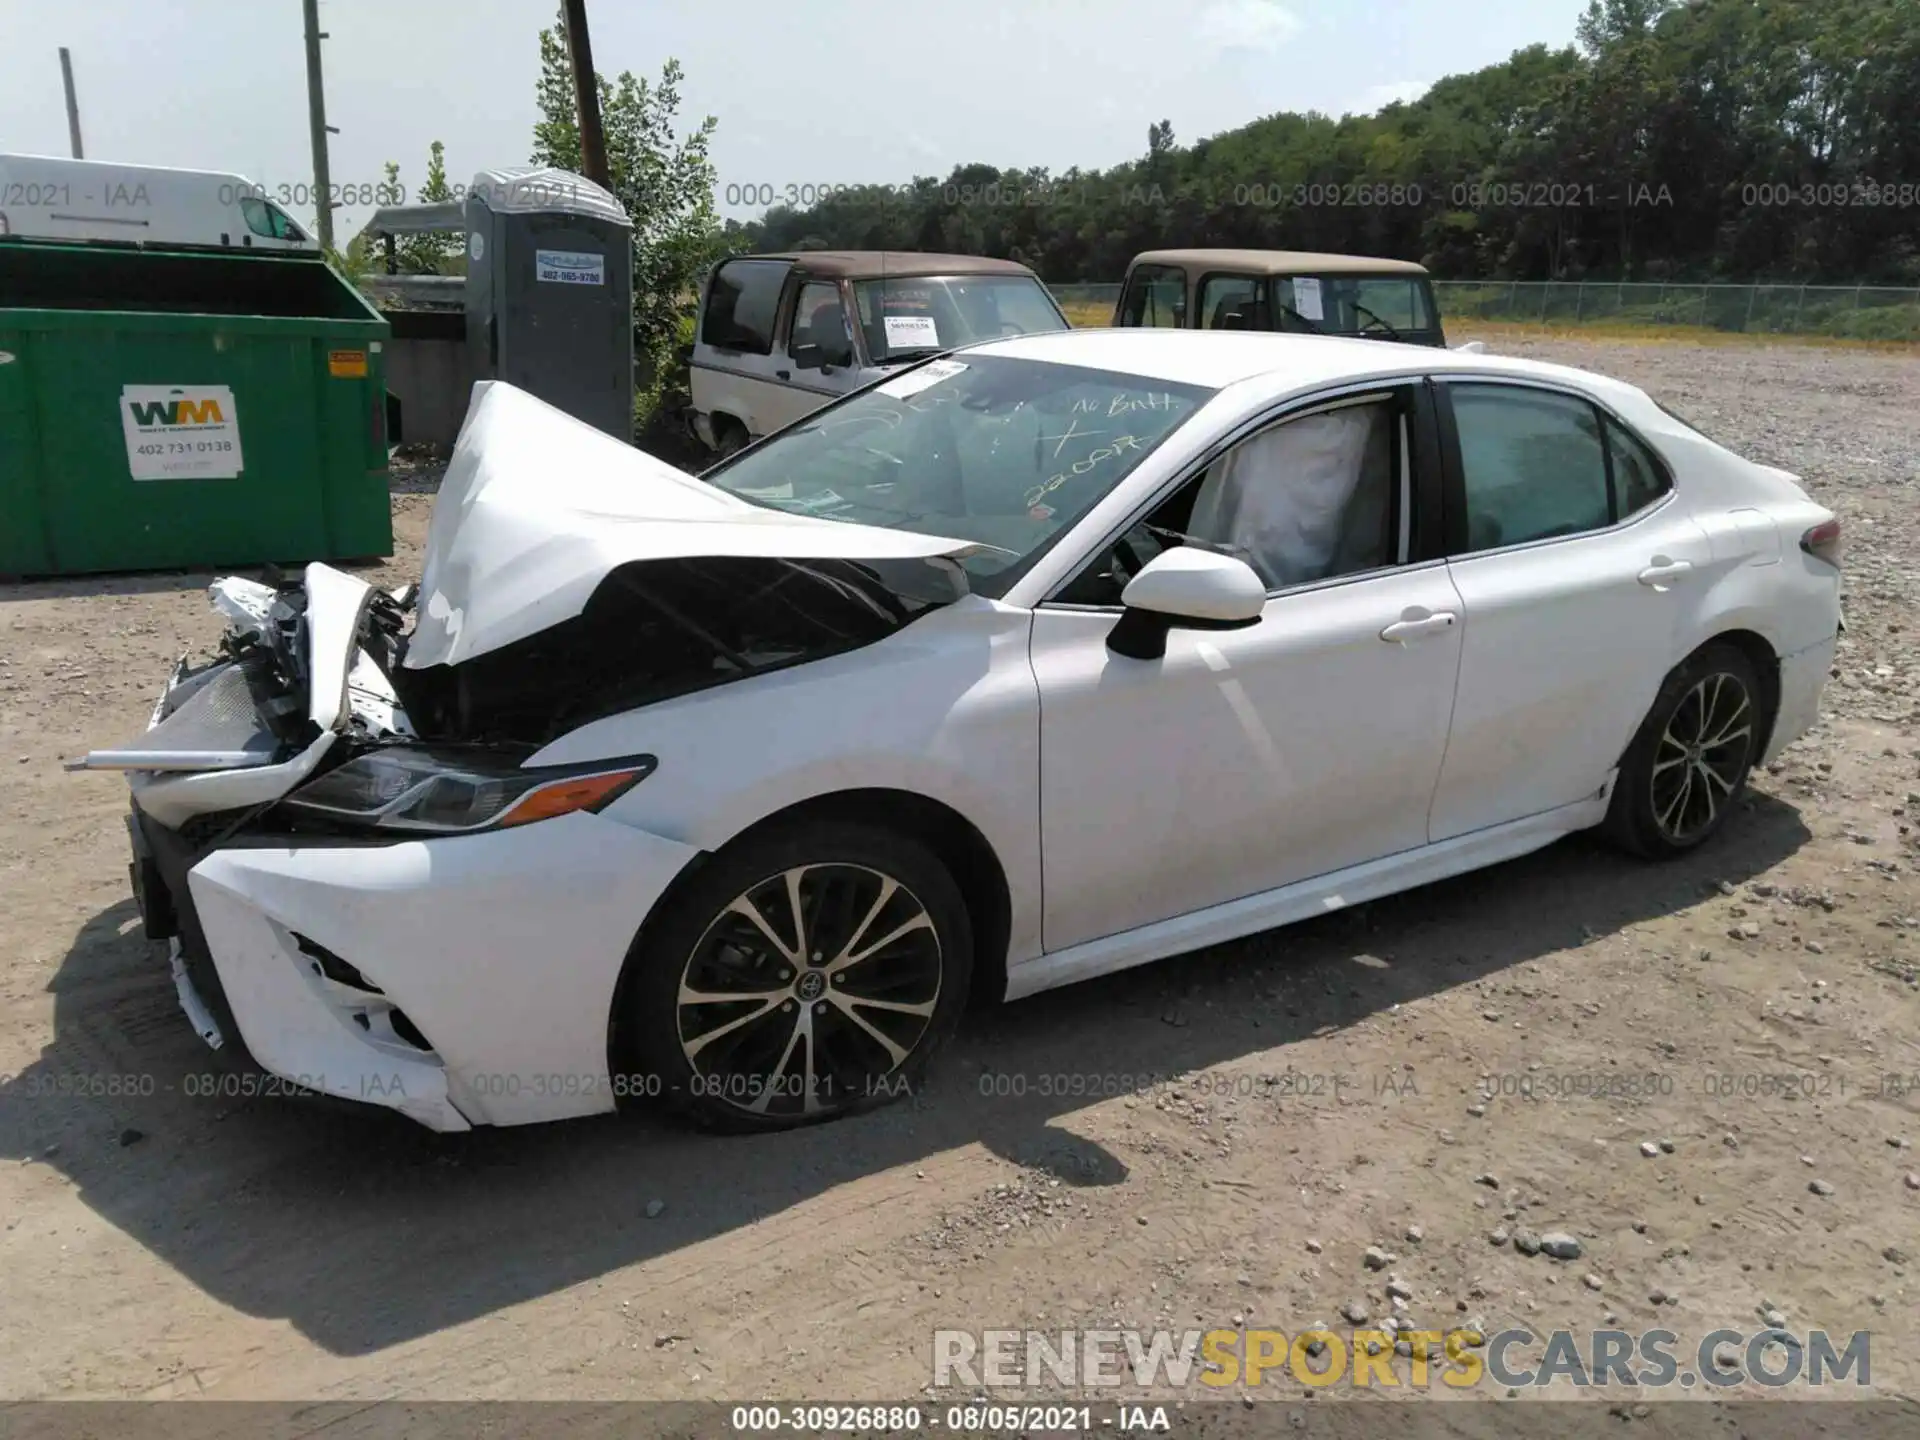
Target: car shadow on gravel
<point>364,1231</point>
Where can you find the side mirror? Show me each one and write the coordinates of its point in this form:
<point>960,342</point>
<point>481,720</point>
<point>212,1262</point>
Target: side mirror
<point>807,357</point>
<point>1185,589</point>
<point>1472,347</point>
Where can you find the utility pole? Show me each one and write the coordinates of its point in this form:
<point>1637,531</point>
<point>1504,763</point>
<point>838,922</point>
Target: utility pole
<point>586,96</point>
<point>73,104</point>
<point>317,125</point>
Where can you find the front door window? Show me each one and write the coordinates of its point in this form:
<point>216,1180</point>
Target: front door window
<point>1156,296</point>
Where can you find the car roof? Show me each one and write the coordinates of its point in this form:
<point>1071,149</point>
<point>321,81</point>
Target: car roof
<point>876,264</point>
<point>1278,262</point>
<point>1285,361</point>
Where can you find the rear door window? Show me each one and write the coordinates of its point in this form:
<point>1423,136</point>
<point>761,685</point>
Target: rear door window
<point>742,300</point>
<point>1532,464</point>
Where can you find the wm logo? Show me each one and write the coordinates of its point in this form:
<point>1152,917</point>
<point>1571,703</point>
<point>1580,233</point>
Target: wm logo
<point>176,412</point>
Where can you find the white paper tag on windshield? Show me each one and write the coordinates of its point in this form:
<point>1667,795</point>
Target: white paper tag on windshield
<point>911,332</point>
<point>914,381</point>
<point>1306,297</point>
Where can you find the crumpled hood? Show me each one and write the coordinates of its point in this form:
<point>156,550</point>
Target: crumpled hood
<point>537,507</point>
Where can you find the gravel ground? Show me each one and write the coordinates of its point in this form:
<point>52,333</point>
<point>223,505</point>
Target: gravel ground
<point>1405,1078</point>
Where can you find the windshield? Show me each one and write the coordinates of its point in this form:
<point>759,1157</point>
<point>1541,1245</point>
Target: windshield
<point>911,316</point>
<point>1387,306</point>
<point>1008,453</point>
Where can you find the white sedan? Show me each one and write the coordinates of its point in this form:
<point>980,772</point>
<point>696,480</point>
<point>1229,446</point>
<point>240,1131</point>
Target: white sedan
<point>1043,659</point>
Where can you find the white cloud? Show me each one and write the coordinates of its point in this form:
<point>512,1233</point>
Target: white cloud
<point>1376,97</point>
<point>1247,25</point>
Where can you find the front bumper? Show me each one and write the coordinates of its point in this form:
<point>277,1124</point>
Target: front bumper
<point>462,981</point>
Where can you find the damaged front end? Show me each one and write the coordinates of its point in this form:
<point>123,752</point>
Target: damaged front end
<point>283,787</point>
<point>659,628</point>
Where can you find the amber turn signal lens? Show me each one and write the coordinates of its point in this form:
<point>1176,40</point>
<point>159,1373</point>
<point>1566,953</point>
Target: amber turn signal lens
<point>563,797</point>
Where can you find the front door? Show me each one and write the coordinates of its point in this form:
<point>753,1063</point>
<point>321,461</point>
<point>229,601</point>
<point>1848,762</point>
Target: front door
<point>1154,295</point>
<point>814,360</point>
<point>733,371</point>
<point>1245,760</point>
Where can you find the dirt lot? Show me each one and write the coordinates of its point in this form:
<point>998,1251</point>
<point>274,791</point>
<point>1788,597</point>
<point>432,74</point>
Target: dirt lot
<point>1348,1083</point>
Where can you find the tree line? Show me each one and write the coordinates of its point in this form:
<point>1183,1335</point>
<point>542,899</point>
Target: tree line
<point>1672,140</point>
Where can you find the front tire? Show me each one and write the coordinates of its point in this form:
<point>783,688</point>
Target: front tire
<point>729,437</point>
<point>1685,770</point>
<point>806,974</point>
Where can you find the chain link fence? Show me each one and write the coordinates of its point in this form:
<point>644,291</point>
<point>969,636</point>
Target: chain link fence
<point>1847,312</point>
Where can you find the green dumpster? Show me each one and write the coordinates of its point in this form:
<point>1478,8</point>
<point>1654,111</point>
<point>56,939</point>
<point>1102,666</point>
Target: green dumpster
<point>175,409</point>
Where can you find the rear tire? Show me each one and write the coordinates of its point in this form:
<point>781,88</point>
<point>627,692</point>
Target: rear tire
<point>1683,773</point>
<point>828,1022</point>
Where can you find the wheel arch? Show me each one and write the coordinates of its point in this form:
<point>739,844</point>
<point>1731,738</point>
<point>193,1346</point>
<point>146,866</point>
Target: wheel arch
<point>956,840</point>
<point>1766,666</point>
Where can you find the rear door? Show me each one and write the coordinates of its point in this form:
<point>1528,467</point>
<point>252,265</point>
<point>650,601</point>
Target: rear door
<point>1573,560</point>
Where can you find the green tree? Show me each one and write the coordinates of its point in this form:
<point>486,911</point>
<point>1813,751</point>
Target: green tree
<point>663,179</point>
<point>1672,140</point>
<point>429,254</point>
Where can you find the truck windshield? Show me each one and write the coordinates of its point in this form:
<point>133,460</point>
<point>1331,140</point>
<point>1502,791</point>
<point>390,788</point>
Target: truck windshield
<point>1388,306</point>
<point>915,315</point>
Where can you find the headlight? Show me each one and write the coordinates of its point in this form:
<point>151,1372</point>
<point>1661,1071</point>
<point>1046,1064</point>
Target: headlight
<point>406,788</point>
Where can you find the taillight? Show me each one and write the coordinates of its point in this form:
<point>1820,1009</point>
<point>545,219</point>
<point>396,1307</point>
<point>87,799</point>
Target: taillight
<point>1823,542</point>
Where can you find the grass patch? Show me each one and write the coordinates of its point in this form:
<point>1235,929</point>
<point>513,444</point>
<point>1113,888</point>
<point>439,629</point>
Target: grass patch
<point>1493,331</point>
<point>1088,314</point>
<point>1083,315</point>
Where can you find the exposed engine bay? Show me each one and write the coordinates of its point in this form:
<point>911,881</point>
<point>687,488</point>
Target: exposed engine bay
<point>659,628</point>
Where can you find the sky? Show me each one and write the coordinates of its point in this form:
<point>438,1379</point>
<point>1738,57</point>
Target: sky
<point>806,92</point>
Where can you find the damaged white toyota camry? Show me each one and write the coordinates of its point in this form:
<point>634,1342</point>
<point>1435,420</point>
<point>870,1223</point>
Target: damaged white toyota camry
<point>1049,657</point>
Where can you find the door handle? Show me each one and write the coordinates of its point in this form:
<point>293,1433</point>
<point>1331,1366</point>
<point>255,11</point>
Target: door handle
<point>1662,572</point>
<point>783,374</point>
<point>1403,630</point>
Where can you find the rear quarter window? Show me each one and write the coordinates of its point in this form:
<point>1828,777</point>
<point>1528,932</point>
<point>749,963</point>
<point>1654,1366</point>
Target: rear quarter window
<point>1639,478</point>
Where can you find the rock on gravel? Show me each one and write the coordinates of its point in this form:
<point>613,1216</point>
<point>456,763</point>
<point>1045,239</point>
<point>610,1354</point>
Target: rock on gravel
<point>1560,1245</point>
